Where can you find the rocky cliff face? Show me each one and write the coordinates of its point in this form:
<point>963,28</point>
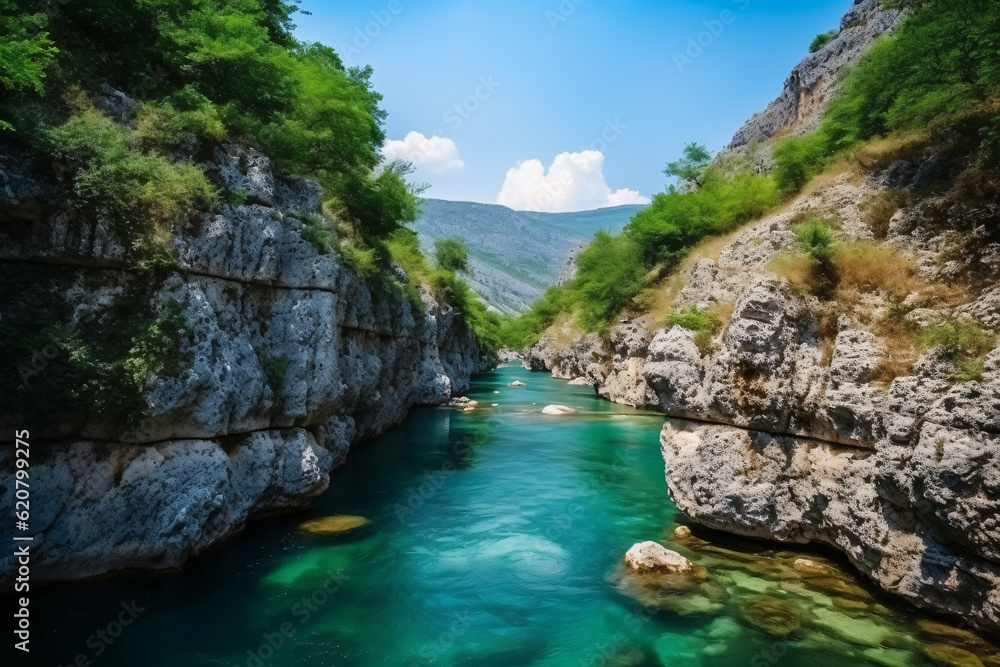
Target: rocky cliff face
<point>282,360</point>
<point>784,426</point>
<point>813,81</point>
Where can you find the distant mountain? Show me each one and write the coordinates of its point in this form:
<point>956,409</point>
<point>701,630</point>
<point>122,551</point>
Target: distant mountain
<point>515,255</point>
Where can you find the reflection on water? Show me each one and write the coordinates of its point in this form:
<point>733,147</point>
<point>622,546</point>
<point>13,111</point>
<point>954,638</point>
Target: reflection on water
<point>494,538</point>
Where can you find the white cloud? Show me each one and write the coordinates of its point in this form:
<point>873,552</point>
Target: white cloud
<point>435,155</point>
<point>574,182</point>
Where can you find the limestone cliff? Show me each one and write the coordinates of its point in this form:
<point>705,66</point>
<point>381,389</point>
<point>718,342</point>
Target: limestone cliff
<point>282,359</point>
<point>813,82</point>
<point>784,429</point>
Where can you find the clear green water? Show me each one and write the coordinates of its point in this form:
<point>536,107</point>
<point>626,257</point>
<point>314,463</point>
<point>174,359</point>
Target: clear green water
<point>493,539</point>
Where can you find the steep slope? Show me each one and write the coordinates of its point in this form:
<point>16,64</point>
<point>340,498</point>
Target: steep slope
<point>813,82</point>
<point>827,417</point>
<point>264,362</point>
<point>515,255</point>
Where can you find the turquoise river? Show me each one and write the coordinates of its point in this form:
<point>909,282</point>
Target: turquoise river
<point>495,538</point>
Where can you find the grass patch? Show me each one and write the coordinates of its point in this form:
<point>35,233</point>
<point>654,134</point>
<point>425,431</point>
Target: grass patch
<point>317,231</point>
<point>877,211</point>
<point>964,343</point>
<point>705,324</point>
<point>275,369</point>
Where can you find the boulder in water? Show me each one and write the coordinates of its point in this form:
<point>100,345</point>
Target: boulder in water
<point>770,616</point>
<point>654,557</point>
<point>517,383</point>
<point>334,525</point>
<point>810,568</point>
<point>462,403</point>
<point>559,410</point>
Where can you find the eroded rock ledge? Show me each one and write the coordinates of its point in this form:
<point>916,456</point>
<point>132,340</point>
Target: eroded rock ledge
<point>286,359</point>
<point>780,429</point>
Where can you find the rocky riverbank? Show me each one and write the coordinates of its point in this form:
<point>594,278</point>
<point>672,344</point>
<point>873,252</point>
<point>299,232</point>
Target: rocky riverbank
<point>271,361</point>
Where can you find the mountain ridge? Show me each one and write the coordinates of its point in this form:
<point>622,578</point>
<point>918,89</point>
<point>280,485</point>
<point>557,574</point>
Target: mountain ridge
<point>515,255</point>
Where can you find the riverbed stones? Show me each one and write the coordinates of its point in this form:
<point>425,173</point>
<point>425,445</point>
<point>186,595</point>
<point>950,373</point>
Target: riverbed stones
<point>770,615</point>
<point>461,402</point>
<point>810,568</point>
<point>334,525</point>
<point>855,630</point>
<point>952,656</point>
<point>654,557</point>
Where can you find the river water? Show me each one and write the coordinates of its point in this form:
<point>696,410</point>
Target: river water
<point>495,538</point>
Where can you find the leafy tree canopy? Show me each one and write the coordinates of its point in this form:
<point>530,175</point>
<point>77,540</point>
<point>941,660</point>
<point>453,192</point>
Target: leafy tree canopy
<point>691,167</point>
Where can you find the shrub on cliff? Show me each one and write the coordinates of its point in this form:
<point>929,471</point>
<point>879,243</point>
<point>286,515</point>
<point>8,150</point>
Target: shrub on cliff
<point>126,186</point>
<point>208,70</point>
<point>452,254</point>
<point>609,276</point>
<point>822,40</point>
<point>675,220</point>
<point>25,50</point>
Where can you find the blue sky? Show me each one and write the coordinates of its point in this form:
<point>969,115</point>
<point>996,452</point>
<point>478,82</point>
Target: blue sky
<point>614,87</point>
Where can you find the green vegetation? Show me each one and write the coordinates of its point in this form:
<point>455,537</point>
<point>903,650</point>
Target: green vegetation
<point>275,368</point>
<point>140,192</point>
<point>452,254</point>
<point>201,71</point>
<point>25,51</point>
<point>822,40</point>
<point>317,231</point>
<point>938,68</point>
<point>676,221</point>
<point>61,369</point>
<point>941,64</point>
<point>613,270</point>
<point>609,275</point>
<point>815,238</point>
<point>964,343</point>
<point>197,73</point>
<point>704,323</point>
<point>797,160</point>
<point>692,165</point>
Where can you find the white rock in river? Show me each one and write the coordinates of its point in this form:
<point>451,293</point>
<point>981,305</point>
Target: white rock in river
<point>647,556</point>
<point>517,383</point>
<point>559,410</point>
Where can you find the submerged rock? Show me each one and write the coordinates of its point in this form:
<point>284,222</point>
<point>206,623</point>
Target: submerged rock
<point>952,656</point>
<point>860,631</point>
<point>334,525</point>
<point>810,568</point>
<point>559,410</point>
<point>889,657</point>
<point>654,557</point>
<point>516,383</point>
<point>771,616</point>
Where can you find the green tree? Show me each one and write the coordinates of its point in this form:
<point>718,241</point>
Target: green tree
<point>25,51</point>
<point>452,254</point>
<point>691,167</point>
<point>822,40</point>
<point>609,276</point>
